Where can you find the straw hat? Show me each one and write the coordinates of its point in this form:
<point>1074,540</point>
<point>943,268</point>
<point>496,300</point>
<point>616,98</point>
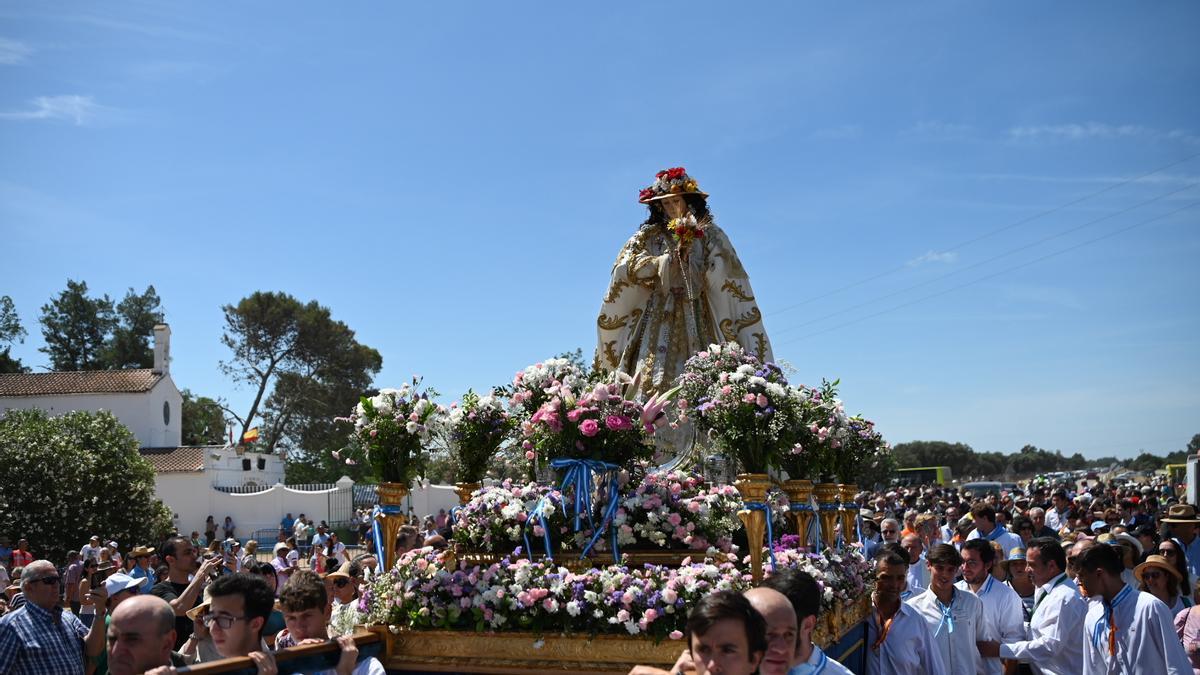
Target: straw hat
<point>343,571</point>
<point>141,551</point>
<point>1181,514</point>
<point>1156,561</point>
<point>668,183</point>
<point>195,612</point>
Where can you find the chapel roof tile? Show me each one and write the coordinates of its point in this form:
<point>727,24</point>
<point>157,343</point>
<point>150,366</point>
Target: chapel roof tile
<point>128,381</point>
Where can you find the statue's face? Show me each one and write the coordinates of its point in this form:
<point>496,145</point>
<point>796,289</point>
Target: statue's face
<point>674,206</point>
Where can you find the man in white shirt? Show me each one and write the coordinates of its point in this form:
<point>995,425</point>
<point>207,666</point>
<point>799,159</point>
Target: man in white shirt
<point>1002,613</point>
<point>947,530</point>
<point>987,528</point>
<point>91,550</point>
<point>1126,630</point>
<point>918,572</point>
<point>1183,521</point>
<point>955,617</point>
<point>898,640</point>
<point>1056,517</point>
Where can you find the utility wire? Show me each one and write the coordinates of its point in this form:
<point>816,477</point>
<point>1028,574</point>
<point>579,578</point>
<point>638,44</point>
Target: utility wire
<point>964,244</point>
<point>993,275</point>
<point>981,263</point>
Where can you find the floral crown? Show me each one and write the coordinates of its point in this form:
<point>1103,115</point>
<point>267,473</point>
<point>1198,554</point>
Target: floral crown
<point>669,182</point>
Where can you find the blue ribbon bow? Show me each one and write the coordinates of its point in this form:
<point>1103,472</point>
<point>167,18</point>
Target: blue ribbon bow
<point>760,506</point>
<point>579,475</point>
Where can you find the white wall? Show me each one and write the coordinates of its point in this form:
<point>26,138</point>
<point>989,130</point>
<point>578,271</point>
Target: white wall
<point>142,412</point>
<point>191,498</point>
<point>427,501</point>
<point>224,467</point>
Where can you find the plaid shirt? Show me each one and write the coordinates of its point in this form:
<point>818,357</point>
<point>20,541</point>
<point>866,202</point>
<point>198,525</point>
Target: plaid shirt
<point>37,641</point>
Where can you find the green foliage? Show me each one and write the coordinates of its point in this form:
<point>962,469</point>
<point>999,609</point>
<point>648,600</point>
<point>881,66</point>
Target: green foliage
<point>129,345</point>
<point>66,478</point>
<point>305,368</point>
<point>87,333</point>
<point>75,327</point>
<point>10,331</point>
<point>1029,460</point>
<point>202,419</point>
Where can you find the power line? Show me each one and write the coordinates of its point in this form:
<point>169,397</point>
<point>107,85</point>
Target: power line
<point>989,260</point>
<point>986,235</point>
<point>993,275</point>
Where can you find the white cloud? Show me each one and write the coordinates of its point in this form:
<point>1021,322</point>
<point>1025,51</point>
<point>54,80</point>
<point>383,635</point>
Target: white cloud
<point>12,52</point>
<point>71,107</point>
<point>945,257</point>
<point>1098,130</point>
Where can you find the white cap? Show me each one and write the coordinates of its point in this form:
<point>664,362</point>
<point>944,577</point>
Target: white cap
<point>120,582</point>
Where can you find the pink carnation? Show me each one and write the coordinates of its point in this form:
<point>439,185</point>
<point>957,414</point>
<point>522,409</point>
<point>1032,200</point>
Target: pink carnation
<point>589,428</point>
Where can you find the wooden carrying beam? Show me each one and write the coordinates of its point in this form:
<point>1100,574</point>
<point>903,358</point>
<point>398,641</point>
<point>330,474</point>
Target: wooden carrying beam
<point>305,659</point>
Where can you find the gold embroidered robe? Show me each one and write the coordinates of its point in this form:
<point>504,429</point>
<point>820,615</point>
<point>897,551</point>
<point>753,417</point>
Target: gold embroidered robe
<point>658,312</point>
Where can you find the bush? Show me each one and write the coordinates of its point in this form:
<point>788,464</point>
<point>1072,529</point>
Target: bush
<point>68,477</point>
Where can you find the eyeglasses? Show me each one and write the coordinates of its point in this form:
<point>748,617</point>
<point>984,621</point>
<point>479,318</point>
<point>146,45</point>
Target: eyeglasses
<point>49,581</point>
<point>225,621</point>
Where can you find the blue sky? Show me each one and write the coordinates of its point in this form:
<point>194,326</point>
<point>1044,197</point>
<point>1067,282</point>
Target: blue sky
<point>454,181</point>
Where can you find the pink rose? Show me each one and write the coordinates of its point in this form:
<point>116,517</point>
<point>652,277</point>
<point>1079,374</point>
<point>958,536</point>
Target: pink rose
<point>651,614</point>
<point>675,635</point>
<point>589,428</point>
<point>762,400</point>
<point>618,422</point>
<point>674,519</point>
<point>694,506</point>
<point>530,455</point>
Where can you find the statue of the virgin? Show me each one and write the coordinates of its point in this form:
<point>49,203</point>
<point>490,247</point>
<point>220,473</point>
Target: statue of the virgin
<point>677,286</point>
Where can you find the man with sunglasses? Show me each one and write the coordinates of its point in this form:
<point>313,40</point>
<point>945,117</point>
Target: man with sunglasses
<point>40,637</point>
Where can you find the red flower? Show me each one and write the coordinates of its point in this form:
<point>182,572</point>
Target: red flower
<point>645,194</point>
<point>677,172</point>
<point>660,174</point>
<point>699,232</point>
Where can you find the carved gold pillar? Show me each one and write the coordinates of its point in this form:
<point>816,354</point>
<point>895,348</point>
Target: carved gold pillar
<point>753,488</point>
<point>800,510</point>
<point>827,496</point>
<point>391,500</point>
<point>849,511</point>
<point>464,491</point>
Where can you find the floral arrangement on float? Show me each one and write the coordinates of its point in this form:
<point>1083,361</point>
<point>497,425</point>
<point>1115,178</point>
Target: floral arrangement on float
<point>493,520</point>
<point>393,431</point>
<point>747,408</point>
<point>427,591</point>
<point>534,386</point>
<point>476,427</point>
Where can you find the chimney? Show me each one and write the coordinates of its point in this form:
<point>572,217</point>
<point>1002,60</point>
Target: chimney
<point>162,348</point>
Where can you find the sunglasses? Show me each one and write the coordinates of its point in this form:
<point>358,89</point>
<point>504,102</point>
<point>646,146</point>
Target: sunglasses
<point>49,581</point>
<point>340,583</point>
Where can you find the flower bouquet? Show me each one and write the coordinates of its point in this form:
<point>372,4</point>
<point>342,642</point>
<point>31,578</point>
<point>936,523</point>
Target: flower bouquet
<point>819,434</point>
<point>745,405</point>
<point>533,387</point>
<point>844,576</point>
<point>862,446</point>
<point>476,429</point>
<point>600,425</point>
<point>675,510</point>
<point>492,521</point>
<point>393,431</point>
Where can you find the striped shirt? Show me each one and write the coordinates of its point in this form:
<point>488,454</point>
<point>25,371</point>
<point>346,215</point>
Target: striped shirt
<point>35,640</point>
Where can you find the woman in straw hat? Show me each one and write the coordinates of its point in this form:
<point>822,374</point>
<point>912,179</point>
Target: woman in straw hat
<point>1159,577</point>
<point>677,286</point>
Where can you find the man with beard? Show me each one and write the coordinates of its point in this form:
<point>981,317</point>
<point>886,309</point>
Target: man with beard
<point>185,580</point>
<point>1002,614</point>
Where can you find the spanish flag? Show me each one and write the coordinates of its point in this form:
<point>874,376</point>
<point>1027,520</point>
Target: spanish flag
<point>250,436</point>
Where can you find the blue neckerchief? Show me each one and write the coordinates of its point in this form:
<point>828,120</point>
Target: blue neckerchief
<point>1110,609</point>
<point>811,668</point>
<point>996,532</point>
<point>987,585</point>
<point>947,616</point>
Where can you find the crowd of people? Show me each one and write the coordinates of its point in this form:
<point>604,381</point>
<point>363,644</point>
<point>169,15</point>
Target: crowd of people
<point>1056,579</point>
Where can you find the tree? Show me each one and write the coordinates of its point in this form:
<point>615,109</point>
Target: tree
<point>76,327</point>
<point>1193,445</point>
<point>305,368</point>
<point>202,420</point>
<point>66,478</point>
<point>129,345</point>
<point>10,331</point>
